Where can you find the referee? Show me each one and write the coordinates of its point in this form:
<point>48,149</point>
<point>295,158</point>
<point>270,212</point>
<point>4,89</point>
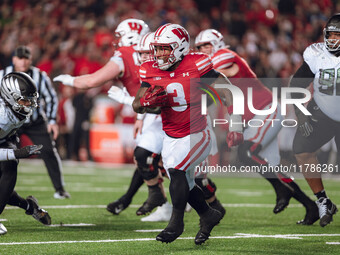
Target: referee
<point>42,127</point>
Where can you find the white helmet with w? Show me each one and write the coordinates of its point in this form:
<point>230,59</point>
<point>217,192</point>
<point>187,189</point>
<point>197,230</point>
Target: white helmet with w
<point>174,36</point>
<point>211,36</point>
<point>130,31</point>
<point>143,47</point>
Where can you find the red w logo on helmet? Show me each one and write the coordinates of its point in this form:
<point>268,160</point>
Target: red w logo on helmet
<point>181,33</point>
<point>215,34</point>
<point>135,27</point>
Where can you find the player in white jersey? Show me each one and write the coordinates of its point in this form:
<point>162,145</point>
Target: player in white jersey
<point>321,67</point>
<point>18,99</point>
<point>41,127</point>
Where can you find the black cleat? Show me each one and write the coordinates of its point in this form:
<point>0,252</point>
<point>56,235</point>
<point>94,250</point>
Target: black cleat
<point>312,215</point>
<point>174,229</point>
<point>282,199</point>
<point>169,235</point>
<point>37,213</point>
<point>208,221</point>
<point>326,211</point>
<point>154,200</point>
<point>118,206</point>
<point>281,204</point>
<point>216,204</point>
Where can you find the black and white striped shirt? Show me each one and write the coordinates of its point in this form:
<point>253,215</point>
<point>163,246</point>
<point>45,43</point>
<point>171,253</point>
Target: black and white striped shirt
<point>48,100</point>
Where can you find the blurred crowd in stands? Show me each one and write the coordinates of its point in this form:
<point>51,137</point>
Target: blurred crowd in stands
<point>77,37</point>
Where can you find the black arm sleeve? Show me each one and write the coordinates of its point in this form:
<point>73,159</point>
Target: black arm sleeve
<point>212,75</point>
<point>303,77</point>
<point>145,84</point>
<point>208,79</point>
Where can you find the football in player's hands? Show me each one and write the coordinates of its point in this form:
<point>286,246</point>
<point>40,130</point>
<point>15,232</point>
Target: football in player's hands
<point>157,90</point>
<point>154,96</point>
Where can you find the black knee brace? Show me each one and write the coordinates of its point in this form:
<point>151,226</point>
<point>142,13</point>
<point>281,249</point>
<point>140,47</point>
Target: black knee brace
<point>207,186</point>
<point>248,154</point>
<point>147,163</point>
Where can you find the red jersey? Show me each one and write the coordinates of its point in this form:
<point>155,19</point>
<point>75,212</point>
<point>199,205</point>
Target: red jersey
<point>183,115</point>
<point>130,77</point>
<point>243,79</point>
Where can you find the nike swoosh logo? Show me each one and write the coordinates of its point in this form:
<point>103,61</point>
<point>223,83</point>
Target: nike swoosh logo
<point>118,210</point>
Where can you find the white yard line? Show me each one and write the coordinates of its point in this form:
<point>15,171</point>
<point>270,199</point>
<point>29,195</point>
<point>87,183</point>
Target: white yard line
<point>72,225</point>
<point>258,205</point>
<point>74,189</point>
<point>137,206</point>
<point>284,236</point>
<point>336,243</point>
<point>236,236</point>
<point>148,230</point>
<point>90,168</point>
<point>62,207</point>
<point>82,241</point>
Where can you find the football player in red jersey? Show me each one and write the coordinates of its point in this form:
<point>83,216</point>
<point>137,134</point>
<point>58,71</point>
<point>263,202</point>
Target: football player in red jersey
<point>124,65</point>
<point>260,146</point>
<point>149,128</point>
<point>172,82</point>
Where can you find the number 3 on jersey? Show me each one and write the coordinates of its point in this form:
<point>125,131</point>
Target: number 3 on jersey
<point>180,98</point>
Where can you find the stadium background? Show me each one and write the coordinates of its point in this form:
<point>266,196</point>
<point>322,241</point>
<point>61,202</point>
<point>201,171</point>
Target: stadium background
<point>75,37</point>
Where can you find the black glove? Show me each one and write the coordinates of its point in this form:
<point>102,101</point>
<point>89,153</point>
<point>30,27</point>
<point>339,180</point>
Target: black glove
<point>304,124</point>
<point>27,151</point>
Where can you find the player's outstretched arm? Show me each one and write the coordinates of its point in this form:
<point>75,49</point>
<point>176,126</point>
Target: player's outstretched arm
<point>14,154</point>
<point>96,79</point>
<point>120,95</point>
<point>230,71</point>
<point>137,107</point>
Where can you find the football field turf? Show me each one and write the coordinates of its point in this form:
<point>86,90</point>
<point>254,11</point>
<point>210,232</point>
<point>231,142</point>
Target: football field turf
<point>81,225</point>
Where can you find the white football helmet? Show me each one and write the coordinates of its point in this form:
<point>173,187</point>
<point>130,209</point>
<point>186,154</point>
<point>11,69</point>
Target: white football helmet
<point>143,47</point>
<point>130,31</point>
<point>211,36</point>
<point>174,36</point>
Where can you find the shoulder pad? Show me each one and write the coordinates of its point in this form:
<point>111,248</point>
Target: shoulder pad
<point>146,70</point>
<point>223,59</point>
<point>203,63</point>
<point>312,52</point>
